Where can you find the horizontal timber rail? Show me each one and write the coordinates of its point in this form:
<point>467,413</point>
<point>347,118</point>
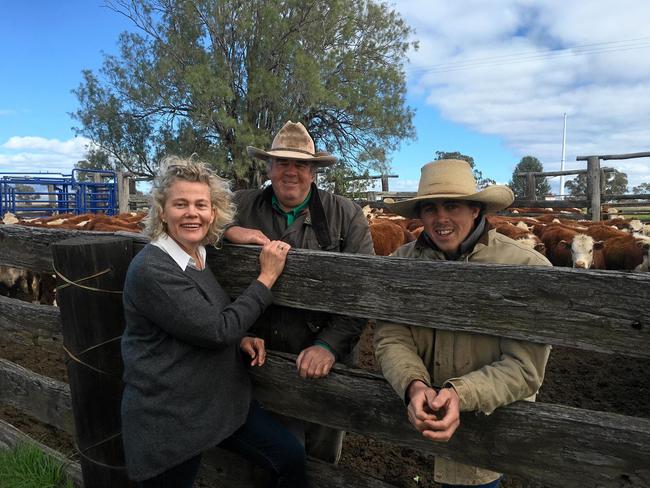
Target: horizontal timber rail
<point>556,445</point>
<point>604,311</point>
<point>616,156</point>
<point>564,216</point>
<point>609,198</point>
<point>561,173</point>
<point>631,204</point>
<point>549,204</point>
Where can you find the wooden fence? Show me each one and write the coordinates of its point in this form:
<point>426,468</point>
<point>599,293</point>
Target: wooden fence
<point>595,186</point>
<point>555,445</point>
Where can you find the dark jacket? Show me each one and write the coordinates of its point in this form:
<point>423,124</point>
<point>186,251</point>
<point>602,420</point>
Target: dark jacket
<point>330,223</point>
<point>186,385</point>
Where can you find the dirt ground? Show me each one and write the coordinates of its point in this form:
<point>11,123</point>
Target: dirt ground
<point>576,378</point>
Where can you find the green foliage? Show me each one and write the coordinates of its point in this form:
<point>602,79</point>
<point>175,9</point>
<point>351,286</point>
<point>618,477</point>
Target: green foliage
<point>95,160</point>
<point>342,180</point>
<point>481,181</point>
<point>26,466</point>
<point>25,188</point>
<point>518,184</point>
<point>641,189</point>
<point>615,184</point>
<point>214,76</point>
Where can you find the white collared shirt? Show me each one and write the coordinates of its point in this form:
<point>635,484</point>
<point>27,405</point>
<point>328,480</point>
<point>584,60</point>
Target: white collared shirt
<point>178,254</point>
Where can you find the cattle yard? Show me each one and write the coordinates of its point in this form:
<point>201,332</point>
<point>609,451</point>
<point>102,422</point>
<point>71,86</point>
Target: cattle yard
<point>81,191</point>
<point>599,314</point>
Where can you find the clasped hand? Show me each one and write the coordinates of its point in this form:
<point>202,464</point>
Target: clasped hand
<point>436,415</point>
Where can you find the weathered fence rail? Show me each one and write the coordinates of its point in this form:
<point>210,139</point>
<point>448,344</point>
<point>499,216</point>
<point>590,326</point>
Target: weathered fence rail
<point>593,310</point>
<point>595,185</point>
<point>559,446</point>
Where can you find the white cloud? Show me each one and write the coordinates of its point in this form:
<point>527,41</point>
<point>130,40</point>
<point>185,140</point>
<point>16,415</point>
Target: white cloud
<point>38,154</point>
<point>511,68</point>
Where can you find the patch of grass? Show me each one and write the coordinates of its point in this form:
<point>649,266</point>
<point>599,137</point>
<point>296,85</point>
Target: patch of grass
<point>26,466</point>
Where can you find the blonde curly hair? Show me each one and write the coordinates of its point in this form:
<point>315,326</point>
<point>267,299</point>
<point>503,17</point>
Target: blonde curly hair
<point>174,168</point>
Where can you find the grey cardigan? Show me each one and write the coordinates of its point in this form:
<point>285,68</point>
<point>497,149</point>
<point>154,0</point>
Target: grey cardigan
<point>186,387</point>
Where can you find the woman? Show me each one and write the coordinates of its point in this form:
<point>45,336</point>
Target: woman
<point>186,384</point>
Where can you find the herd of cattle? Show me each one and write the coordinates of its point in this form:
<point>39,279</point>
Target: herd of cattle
<point>38,287</point>
<point>618,243</point>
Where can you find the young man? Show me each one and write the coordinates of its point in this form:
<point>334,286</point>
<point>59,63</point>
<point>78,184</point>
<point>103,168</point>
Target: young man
<point>294,210</point>
<point>440,373</point>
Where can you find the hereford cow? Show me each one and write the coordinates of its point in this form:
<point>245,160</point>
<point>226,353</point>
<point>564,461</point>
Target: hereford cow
<point>387,236</point>
<point>627,252</point>
<point>565,247</point>
<point>522,236</point>
<point>19,283</point>
<point>517,210</point>
<point>602,232</point>
<point>636,227</point>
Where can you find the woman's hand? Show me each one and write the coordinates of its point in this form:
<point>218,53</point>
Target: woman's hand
<point>272,260</point>
<point>254,347</point>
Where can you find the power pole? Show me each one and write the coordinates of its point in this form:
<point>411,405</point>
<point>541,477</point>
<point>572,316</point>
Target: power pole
<point>563,158</point>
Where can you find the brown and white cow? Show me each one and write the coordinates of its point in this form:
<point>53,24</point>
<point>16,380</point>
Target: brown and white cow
<point>522,236</point>
<point>566,247</point>
<point>387,236</point>
<point>627,252</point>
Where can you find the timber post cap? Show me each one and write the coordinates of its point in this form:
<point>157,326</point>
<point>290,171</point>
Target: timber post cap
<point>293,142</point>
<point>452,179</point>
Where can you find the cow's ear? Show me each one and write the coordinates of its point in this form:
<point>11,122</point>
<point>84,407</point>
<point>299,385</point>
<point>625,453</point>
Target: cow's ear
<point>599,245</point>
<point>565,244</point>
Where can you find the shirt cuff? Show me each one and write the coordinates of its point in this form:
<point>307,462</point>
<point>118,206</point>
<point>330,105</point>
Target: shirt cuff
<point>325,345</point>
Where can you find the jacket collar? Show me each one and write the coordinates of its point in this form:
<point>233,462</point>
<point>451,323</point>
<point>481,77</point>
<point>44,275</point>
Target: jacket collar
<point>317,216</point>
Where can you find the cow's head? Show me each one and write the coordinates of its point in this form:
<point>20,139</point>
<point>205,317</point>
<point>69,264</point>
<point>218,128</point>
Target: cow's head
<point>644,243</point>
<point>582,250</point>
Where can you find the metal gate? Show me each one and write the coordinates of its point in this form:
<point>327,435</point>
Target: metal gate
<point>38,194</point>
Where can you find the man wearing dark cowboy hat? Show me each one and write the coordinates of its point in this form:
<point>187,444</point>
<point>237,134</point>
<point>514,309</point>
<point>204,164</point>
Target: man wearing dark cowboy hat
<point>294,210</point>
<point>440,373</point>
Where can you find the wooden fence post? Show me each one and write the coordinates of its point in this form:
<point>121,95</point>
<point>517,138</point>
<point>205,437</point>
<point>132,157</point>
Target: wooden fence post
<point>123,181</point>
<point>91,272</point>
<point>384,183</point>
<point>530,186</point>
<point>593,187</point>
<point>51,197</point>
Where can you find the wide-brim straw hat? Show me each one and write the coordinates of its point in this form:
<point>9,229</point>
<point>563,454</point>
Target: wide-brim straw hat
<point>293,142</point>
<point>451,179</point>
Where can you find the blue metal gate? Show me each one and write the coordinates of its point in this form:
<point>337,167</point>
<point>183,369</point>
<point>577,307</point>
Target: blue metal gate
<point>37,194</point>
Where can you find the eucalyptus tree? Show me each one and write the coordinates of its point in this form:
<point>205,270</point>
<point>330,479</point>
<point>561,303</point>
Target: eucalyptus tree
<point>213,76</point>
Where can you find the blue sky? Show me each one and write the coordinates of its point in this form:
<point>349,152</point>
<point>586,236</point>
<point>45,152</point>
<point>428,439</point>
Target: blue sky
<point>44,46</point>
<point>491,79</point>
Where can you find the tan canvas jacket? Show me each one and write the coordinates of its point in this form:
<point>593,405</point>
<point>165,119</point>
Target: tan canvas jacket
<point>486,371</point>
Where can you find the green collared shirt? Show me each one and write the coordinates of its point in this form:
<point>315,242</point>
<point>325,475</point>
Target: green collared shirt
<point>294,212</point>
